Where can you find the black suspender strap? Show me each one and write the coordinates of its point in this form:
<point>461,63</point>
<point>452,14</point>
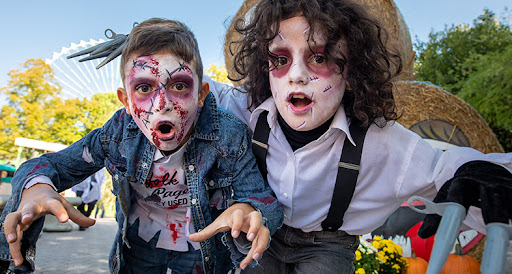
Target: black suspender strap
<point>260,143</point>
<point>348,170</point>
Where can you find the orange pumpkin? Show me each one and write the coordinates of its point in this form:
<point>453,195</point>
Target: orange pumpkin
<point>416,265</point>
<point>460,263</point>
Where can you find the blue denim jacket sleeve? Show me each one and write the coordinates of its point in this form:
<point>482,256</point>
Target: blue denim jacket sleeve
<point>65,169</point>
<point>250,187</point>
<point>255,190</point>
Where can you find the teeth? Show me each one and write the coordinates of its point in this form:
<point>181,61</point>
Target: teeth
<point>298,96</point>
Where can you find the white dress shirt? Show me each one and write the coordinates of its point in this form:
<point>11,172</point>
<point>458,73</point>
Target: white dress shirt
<point>395,164</point>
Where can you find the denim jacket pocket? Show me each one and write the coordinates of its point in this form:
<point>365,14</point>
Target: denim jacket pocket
<point>219,190</point>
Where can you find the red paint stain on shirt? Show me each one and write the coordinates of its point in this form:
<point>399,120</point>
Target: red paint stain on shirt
<point>174,231</point>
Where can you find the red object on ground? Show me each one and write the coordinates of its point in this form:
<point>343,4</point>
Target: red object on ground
<point>422,247</point>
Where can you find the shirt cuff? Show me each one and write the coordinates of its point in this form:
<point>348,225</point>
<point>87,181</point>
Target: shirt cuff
<point>40,179</point>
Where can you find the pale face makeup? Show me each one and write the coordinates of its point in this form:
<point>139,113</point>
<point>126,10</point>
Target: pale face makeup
<point>163,94</point>
<point>306,88</point>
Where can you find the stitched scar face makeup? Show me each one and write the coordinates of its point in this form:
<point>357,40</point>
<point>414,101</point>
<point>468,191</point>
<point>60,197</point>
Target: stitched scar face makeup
<point>306,88</point>
<point>162,93</point>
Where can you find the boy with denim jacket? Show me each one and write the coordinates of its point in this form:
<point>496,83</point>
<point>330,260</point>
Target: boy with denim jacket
<point>177,163</point>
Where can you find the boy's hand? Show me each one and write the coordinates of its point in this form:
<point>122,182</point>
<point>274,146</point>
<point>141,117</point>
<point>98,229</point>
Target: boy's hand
<point>239,217</point>
<point>37,201</point>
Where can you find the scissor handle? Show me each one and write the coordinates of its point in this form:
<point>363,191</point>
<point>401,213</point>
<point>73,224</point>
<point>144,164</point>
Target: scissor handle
<point>110,34</point>
<point>430,207</point>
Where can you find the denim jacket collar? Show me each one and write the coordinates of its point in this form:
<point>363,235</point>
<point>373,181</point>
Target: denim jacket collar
<point>207,129</point>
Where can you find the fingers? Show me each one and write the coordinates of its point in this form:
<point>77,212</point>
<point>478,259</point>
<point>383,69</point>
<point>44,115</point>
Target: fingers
<point>214,228</point>
<point>76,216</point>
<point>13,233</point>
<point>237,221</point>
<point>15,248</point>
<point>259,245</point>
<point>255,225</point>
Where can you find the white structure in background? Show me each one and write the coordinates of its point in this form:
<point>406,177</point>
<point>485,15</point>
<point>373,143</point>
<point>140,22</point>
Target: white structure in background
<point>82,79</point>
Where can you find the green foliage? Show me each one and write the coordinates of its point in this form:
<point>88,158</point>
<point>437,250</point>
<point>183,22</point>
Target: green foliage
<point>489,90</point>
<point>472,62</point>
<point>219,74</point>
<point>442,59</point>
<point>35,109</point>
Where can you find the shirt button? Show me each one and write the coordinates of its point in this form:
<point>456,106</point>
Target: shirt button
<point>144,165</point>
<point>285,195</point>
<point>286,216</point>
<point>191,167</point>
<point>206,258</point>
<point>193,201</point>
<point>116,177</point>
<point>211,183</point>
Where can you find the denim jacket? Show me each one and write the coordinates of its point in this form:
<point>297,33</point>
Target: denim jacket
<point>218,158</point>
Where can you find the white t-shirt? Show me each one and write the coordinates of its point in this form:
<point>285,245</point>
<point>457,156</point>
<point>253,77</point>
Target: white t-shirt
<point>162,204</point>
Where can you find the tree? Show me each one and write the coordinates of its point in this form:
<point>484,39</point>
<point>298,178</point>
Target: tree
<point>31,93</point>
<point>35,109</point>
<point>472,63</point>
<point>218,74</point>
<point>441,59</point>
<point>489,90</point>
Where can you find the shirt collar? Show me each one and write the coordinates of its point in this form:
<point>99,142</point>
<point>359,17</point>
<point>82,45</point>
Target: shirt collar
<point>158,155</point>
<point>340,120</point>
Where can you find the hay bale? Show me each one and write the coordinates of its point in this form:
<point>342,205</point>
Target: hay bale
<point>384,10</point>
<point>424,102</point>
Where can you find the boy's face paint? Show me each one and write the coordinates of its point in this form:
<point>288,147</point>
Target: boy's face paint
<point>162,97</point>
<point>306,88</point>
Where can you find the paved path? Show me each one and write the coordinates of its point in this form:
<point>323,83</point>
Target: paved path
<point>76,251</point>
<point>87,251</point>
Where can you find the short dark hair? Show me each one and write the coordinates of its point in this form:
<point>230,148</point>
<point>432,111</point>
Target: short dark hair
<point>371,66</point>
<point>157,34</point>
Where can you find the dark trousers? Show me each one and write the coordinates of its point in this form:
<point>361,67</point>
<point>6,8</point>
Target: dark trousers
<point>81,207</point>
<point>294,251</point>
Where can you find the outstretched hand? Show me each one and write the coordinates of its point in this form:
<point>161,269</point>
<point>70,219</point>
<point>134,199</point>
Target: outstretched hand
<point>480,184</point>
<point>37,201</point>
<point>239,218</point>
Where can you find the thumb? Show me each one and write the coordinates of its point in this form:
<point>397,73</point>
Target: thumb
<point>208,232</point>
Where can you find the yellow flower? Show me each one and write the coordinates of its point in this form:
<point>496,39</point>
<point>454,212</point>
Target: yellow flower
<point>383,256</point>
<point>358,255</point>
<point>360,271</point>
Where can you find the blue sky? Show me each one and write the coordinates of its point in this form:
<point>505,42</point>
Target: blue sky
<point>36,29</point>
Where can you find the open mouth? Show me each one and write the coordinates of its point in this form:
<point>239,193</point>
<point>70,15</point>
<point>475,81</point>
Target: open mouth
<point>165,131</point>
<point>300,102</point>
